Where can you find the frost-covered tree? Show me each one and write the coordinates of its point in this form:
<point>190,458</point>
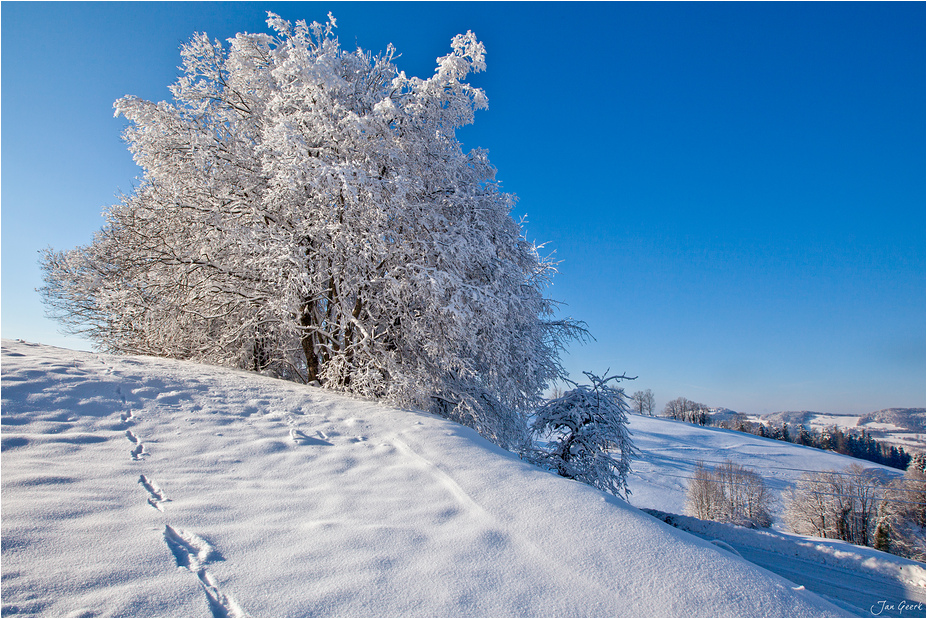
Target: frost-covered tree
<point>308,212</point>
<point>861,506</point>
<point>703,494</point>
<point>587,435</point>
<point>642,402</point>
<point>686,410</point>
<point>901,514</point>
<point>836,505</point>
<point>729,493</point>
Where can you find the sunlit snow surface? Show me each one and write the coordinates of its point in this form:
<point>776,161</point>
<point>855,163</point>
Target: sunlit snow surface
<point>854,577</point>
<point>143,487</point>
<point>670,450</point>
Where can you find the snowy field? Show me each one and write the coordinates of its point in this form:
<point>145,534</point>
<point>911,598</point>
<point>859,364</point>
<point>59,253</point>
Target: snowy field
<point>670,450</point>
<point>146,487</point>
<point>854,577</point>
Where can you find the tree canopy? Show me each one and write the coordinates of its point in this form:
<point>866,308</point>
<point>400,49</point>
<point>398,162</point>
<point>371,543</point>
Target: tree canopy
<point>308,212</point>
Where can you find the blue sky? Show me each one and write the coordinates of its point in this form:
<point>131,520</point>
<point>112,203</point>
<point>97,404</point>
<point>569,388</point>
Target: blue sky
<point>735,191</point>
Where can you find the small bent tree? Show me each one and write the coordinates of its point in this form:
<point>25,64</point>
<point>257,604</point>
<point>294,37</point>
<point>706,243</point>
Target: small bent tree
<point>587,434</point>
<point>308,212</point>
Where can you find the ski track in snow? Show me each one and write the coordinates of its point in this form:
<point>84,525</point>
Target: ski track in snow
<point>459,494</point>
<point>835,583</point>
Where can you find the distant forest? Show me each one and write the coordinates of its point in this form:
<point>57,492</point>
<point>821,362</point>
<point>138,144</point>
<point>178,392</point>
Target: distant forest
<point>832,438</point>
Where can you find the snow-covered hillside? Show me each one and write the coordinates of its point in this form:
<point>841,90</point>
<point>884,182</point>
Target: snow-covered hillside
<point>670,450</point>
<point>145,487</point>
<point>853,576</point>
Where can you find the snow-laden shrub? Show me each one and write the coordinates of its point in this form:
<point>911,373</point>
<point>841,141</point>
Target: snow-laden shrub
<point>587,435</point>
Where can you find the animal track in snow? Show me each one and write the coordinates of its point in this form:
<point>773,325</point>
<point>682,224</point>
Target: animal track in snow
<point>109,368</point>
<point>194,553</point>
<point>139,450</point>
<point>189,549</point>
<point>156,495</point>
<point>127,414</point>
<point>300,438</point>
<point>220,604</point>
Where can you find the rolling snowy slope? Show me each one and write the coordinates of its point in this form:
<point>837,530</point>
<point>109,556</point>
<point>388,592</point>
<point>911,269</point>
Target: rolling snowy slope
<point>854,577</point>
<point>670,450</point>
<point>145,487</point>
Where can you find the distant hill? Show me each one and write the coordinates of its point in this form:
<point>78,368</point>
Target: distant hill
<point>719,414</point>
<point>910,419</point>
<point>902,427</point>
<point>792,417</point>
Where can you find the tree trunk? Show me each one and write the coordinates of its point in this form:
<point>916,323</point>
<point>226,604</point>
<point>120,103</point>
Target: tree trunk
<point>308,343</point>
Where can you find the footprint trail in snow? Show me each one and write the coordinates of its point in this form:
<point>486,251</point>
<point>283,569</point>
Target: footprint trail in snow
<point>139,450</point>
<point>194,554</point>
<point>155,494</point>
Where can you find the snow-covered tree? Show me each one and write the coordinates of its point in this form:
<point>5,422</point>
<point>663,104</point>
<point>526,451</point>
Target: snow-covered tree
<point>702,495</point>
<point>861,506</point>
<point>642,402</point>
<point>686,410</point>
<point>836,505</point>
<point>729,493</point>
<point>587,435</point>
<point>902,513</point>
<point>308,212</point>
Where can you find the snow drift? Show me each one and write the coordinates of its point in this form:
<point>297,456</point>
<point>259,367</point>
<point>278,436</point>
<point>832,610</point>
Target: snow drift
<point>145,487</point>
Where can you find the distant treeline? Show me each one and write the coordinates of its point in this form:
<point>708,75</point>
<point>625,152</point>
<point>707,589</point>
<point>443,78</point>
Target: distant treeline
<point>832,438</point>
<point>850,443</point>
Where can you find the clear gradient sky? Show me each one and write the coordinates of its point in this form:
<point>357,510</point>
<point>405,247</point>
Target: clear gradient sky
<point>736,191</point>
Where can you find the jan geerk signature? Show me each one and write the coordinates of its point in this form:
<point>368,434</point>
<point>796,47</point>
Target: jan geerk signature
<point>884,606</point>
